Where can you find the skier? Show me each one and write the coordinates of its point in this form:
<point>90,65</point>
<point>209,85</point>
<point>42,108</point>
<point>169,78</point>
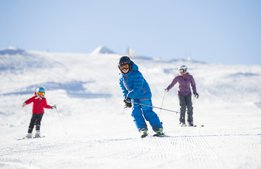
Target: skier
<point>185,80</point>
<point>39,103</point>
<point>137,95</point>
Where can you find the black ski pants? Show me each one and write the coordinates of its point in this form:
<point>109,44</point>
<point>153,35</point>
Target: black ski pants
<point>35,120</point>
<point>185,103</point>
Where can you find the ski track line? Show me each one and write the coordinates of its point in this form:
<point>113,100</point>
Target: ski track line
<point>182,151</point>
<point>32,146</point>
<point>207,152</point>
<point>196,156</point>
<point>218,135</point>
<point>9,164</point>
<point>188,151</point>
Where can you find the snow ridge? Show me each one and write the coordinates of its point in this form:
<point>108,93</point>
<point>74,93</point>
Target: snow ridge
<point>91,129</point>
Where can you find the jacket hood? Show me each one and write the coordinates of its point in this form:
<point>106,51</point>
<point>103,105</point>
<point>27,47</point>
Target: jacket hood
<point>134,67</point>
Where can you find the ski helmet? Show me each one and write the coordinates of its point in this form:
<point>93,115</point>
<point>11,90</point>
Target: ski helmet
<point>124,64</point>
<point>124,60</point>
<point>40,92</point>
<point>183,69</point>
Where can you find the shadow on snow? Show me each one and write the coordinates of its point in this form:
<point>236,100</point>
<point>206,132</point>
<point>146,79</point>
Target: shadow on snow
<point>73,89</point>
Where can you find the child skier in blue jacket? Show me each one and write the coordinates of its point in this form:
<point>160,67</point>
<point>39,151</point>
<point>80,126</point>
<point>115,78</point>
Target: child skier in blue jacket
<point>136,92</point>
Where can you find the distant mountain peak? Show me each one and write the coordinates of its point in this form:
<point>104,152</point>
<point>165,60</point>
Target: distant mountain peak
<point>12,51</point>
<point>102,50</point>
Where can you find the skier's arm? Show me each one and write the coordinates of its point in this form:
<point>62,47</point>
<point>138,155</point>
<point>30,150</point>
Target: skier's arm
<point>45,105</point>
<point>28,101</point>
<point>138,83</point>
<point>123,88</point>
<point>174,81</point>
<point>193,85</point>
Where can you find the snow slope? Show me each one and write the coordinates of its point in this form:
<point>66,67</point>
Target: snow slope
<point>91,129</point>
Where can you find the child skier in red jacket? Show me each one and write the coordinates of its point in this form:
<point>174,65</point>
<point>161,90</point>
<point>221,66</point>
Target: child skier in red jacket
<point>39,103</point>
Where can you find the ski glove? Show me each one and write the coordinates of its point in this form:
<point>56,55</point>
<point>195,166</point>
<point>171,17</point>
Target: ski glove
<point>196,95</point>
<point>127,102</point>
<point>54,107</point>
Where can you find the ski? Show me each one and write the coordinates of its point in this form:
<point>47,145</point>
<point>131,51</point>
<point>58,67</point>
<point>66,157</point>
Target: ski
<point>144,135</point>
<point>25,138</point>
<point>202,125</point>
<point>159,135</point>
<point>195,125</point>
<point>154,135</point>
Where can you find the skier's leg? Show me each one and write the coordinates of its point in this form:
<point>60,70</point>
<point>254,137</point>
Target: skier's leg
<point>182,103</point>
<point>150,115</point>
<point>190,110</point>
<point>32,122</point>
<point>38,121</point>
<point>138,117</point>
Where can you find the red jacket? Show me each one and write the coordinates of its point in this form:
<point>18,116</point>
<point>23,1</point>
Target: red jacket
<point>38,104</point>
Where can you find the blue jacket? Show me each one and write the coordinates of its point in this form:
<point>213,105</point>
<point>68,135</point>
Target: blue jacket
<point>133,84</point>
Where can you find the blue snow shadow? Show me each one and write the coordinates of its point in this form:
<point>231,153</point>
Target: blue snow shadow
<point>245,74</point>
<point>73,89</point>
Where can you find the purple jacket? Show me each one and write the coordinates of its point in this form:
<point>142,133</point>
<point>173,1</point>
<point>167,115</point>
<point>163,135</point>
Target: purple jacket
<point>184,84</point>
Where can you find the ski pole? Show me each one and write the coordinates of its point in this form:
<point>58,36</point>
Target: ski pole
<point>157,107</point>
<point>60,119</point>
<point>162,102</point>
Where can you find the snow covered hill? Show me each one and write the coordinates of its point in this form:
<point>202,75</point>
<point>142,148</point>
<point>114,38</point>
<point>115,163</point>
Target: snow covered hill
<point>16,60</point>
<point>91,129</point>
<point>102,50</point>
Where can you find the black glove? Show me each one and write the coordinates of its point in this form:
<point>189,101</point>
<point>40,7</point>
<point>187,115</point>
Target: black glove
<point>196,95</point>
<point>127,102</point>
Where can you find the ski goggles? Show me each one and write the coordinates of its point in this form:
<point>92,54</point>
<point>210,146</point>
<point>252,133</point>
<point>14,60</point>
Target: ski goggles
<point>41,94</point>
<point>182,71</point>
<point>125,66</point>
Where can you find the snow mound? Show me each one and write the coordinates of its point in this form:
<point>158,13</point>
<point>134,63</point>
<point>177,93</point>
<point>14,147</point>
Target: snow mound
<point>132,54</point>
<point>74,89</point>
<point>187,60</point>
<point>12,51</point>
<point>91,127</point>
<point>245,74</point>
<point>102,50</point>
<point>12,59</point>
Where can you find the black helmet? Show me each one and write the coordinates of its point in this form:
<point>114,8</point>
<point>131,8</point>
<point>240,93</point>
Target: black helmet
<point>124,60</point>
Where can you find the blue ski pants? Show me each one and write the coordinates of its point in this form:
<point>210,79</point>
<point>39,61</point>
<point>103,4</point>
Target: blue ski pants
<point>142,110</point>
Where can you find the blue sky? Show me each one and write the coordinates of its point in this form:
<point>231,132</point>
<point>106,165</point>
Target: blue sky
<point>221,31</point>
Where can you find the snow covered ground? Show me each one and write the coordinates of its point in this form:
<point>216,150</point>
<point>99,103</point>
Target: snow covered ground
<point>91,129</point>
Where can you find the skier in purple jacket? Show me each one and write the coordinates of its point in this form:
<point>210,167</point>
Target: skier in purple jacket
<point>185,80</point>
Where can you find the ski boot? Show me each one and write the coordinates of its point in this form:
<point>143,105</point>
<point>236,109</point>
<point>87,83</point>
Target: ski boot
<point>190,124</point>
<point>37,134</point>
<point>182,124</point>
<point>29,135</point>
<point>143,132</point>
<point>159,133</point>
